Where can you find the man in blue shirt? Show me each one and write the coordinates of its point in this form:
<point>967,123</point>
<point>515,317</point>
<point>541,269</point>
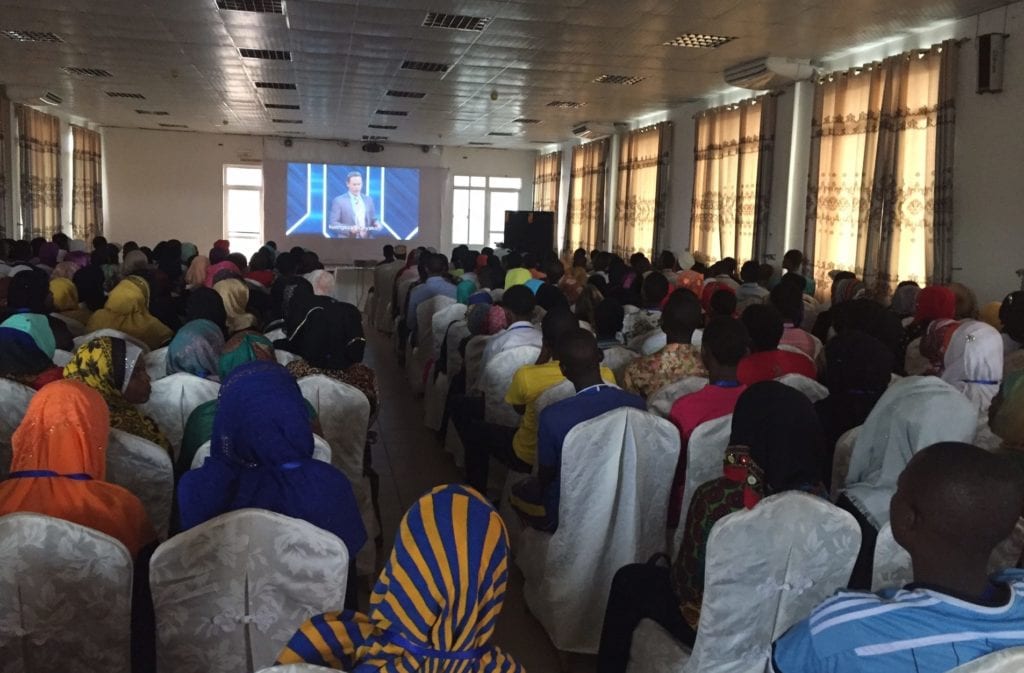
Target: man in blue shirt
<point>579,358</point>
<point>953,505</point>
<point>436,284</point>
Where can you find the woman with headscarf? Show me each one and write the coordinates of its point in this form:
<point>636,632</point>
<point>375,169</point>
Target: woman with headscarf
<point>235,295</point>
<point>196,349</point>
<point>261,267</point>
<point>904,300</point>
<point>426,612</point>
<point>261,455</point>
<point>114,368</point>
<point>330,342</point>
<point>858,372</point>
<point>973,364</point>
<point>134,262</point>
<point>29,292</point>
<point>189,251</point>
<point>205,304</point>
<point>936,305</point>
<point>64,270</point>
<point>89,283</point>
<point>322,282</point>
<point>966,302</point>
<point>776,445</point>
<point>284,290</point>
<point>59,466</point>
<point>241,349</point>
<point>48,254</point>
<point>127,310</point>
<point>914,413</point>
<point>845,288</point>
<point>65,301</point>
<point>196,274</point>
<point>221,271</point>
<point>26,351</point>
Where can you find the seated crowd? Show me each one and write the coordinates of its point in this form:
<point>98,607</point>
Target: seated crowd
<point>905,408</point>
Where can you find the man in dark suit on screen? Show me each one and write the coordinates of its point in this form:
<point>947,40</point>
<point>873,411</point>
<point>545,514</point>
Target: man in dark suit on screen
<point>353,215</point>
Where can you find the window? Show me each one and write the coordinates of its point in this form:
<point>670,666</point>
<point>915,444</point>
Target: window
<point>478,208</point>
<point>243,208</point>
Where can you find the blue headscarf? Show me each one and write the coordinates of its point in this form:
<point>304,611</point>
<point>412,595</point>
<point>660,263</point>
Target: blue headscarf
<point>436,603</point>
<point>261,455</point>
<point>196,349</point>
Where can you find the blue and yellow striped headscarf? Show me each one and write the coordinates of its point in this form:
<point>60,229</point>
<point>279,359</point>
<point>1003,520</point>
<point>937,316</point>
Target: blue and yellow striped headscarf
<point>436,602</point>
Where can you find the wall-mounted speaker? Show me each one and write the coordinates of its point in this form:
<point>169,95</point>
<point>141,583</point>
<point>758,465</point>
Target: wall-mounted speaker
<point>991,59</point>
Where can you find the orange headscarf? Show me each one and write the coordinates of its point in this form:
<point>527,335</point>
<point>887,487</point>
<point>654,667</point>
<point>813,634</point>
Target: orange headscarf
<point>59,463</point>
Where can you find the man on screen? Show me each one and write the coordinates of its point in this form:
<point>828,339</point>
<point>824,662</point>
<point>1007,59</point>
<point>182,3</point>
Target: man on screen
<point>352,214</point>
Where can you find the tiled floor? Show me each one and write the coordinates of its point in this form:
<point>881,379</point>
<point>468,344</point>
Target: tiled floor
<point>410,461</point>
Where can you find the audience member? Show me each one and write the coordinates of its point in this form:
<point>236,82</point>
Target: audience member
<point>639,324</point>
<point>235,295</point>
<point>26,351</point>
<point>751,291</point>
<point>579,358</point>
<point>953,504</point>
<point>519,304</point>
<point>65,302</point>
<point>435,285</point>
<point>127,310</point>
<point>788,301</point>
<point>195,349</point>
<point>766,361</point>
<point>677,359</point>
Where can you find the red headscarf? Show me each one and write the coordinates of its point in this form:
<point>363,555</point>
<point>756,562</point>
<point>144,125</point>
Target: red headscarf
<point>935,302</point>
<point>222,244</point>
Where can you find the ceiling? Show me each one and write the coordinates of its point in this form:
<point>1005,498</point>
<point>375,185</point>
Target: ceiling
<point>183,57</point>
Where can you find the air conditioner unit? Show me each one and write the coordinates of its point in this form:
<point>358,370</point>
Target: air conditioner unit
<point>767,73</point>
<point>595,130</point>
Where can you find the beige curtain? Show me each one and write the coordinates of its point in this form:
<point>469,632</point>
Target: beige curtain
<point>547,177</point>
<point>881,154</point>
<point>6,228</point>
<point>87,184</point>
<point>585,220</point>
<point>41,189</point>
<point>644,160</point>
<point>733,159</point>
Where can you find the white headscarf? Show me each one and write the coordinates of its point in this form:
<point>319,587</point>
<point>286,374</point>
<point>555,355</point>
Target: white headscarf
<point>914,413</point>
<point>322,282</point>
<point>974,363</point>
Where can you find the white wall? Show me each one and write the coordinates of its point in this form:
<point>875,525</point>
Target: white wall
<point>164,184</point>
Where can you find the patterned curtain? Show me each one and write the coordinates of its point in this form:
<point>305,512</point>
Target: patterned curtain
<point>644,161</point>
<point>6,228</point>
<point>585,220</point>
<point>547,178</point>
<point>87,184</point>
<point>877,188</point>
<point>732,179</point>
<point>41,189</point>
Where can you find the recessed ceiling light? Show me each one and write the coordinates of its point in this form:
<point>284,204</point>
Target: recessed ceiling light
<point>698,41</point>
<point>476,142</point>
<point>31,36</point>
<point>126,94</point>
<point>86,72</point>
<point>280,106</point>
<point>375,137</point>
<point>393,113</point>
<point>51,98</point>
<point>158,113</point>
<point>276,85</point>
<point>266,54</point>
<point>383,127</point>
<point>174,126</point>
<point>455,21</point>
<point>526,120</point>
<point>619,79</point>
<point>500,133</point>
<point>425,66</point>
<point>405,94</point>
<point>258,6</point>
<point>286,121</point>
<point>565,104</point>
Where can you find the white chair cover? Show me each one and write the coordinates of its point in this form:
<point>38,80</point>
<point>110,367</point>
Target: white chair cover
<point>230,593</point>
<point>344,414</point>
<point>145,469</point>
<point>474,361</point>
<point>1009,660</point>
<point>841,460</point>
<point>891,566</point>
<point>404,286</point>
<point>173,398</point>
<point>425,349</point>
<point>383,287</point>
<point>439,322</point>
<point>497,377</point>
<point>321,452</point>
<point>61,358</point>
<point>661,402</point>
<point>107,332</point>
<point>284,358</point>
<point>814,391</point>
<point>616,476</point>
<point>617,358</point>
<point>15,398</point>
<point>766,569</point>
<point>456,333</point>
<point>705,453</point>
<point>65,597</point>
<point>556,393</point>
<point>156,363</point>
<point>275,334</point>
